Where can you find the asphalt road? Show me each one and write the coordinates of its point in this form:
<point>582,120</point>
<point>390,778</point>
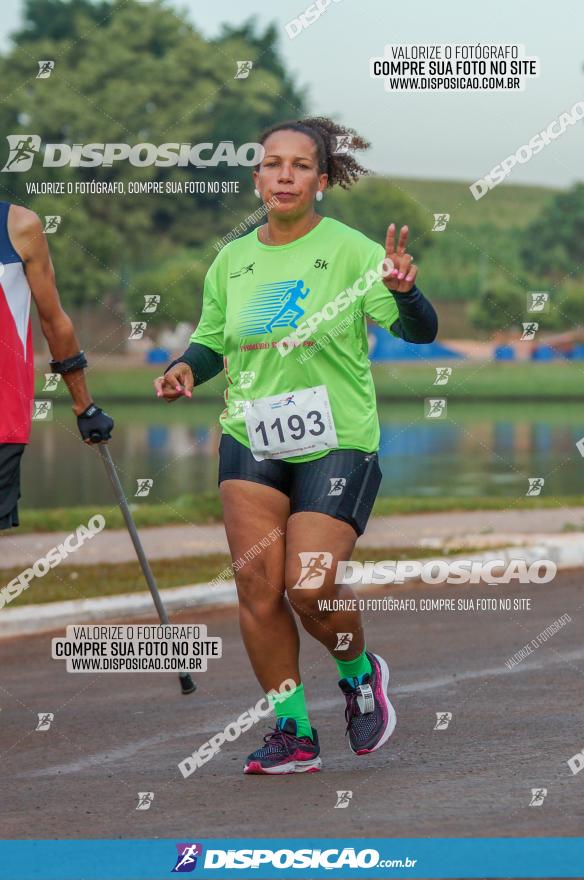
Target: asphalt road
<point>114,735</point>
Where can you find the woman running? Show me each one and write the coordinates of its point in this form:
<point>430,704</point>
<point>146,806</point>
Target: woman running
<point>298,463</point>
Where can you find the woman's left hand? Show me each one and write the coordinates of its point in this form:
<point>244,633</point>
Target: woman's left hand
<point>402,277</point>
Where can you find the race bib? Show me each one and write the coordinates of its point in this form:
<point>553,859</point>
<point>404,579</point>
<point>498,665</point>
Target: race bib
<point>286,425</point>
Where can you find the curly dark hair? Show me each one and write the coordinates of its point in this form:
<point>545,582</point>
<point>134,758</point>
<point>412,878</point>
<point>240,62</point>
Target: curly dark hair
<point>342,168</point>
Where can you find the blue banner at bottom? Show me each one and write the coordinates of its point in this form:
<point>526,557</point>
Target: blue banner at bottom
<point>305,858</point>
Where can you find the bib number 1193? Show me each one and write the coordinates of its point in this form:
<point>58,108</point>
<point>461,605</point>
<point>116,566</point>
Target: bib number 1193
<point>286,425</point>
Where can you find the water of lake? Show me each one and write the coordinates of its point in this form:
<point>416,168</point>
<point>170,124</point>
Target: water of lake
<point>479,449</point>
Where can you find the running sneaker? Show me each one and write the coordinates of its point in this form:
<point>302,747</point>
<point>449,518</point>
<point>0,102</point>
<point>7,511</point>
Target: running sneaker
<point>369,715</point>
<point>284,752</point>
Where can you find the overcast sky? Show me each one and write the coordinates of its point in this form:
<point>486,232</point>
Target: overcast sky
<point>451,136</point>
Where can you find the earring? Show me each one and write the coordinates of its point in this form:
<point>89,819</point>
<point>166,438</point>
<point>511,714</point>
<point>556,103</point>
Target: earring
<point>319,196</point>
<point>257,193</point>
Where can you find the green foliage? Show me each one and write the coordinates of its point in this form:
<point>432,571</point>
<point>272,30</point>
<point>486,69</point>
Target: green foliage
<point>178,281</point>
<point>91,273</point>
<point>56,19</point>
<point>567,306</point>
<point>549,252</point>
<point>292,99</point>
<point>371,205</point>
<point>477,259</point>
<point>129,72</point>
<point>501,306</point>
<point>466,260</point>
<point>553,245</point>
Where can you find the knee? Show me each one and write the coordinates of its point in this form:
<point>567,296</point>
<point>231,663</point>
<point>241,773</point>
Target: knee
<point>258,589</point>
<point>307,601</point>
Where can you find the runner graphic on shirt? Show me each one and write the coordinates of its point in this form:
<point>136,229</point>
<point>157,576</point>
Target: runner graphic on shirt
<point>275,304</point>
<point>244,271</point>
<point>290,305</point>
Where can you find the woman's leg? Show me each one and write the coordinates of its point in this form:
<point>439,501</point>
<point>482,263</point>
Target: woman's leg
<point>330,499</point>
<point>315,533</point>
<point>253,513</point>
<point>364,676</point>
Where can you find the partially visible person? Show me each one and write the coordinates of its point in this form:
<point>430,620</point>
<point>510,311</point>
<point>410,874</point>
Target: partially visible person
<point>26,270</point>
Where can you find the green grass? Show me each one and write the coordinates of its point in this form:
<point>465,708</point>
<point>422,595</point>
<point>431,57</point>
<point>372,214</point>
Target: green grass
<point>206,508</point>
<point>88,581</point>
<point>84,581</point>
<point>133,384</point>
<point>393,380</point>
<point>505,206</point>
<point>445,504</point>
<point>476,381</point>
<point>200,509</point>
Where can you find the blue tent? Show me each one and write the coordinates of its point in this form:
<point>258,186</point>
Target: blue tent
<point>157,356</point>
<point>504,353</point>
<point>385,347</point>
<point>545,353</point>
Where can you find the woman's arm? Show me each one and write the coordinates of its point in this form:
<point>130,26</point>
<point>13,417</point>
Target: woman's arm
<point>417,320</point>
<point>203,361</point>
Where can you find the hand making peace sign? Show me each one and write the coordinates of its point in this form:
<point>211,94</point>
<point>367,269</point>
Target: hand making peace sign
<point>402,277</point>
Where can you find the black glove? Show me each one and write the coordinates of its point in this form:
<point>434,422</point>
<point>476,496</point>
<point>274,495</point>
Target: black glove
<point>94,424</point>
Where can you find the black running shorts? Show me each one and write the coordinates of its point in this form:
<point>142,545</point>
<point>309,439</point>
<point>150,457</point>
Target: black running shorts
<point>10,455</point>
<point>343,483</point>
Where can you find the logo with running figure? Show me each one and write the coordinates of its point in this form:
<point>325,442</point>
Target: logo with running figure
<point>538,795</point>
<point>287,400</point>
<point>344,641</point>
<point>243,271</point>
<point>443,719</point>
<point>186,861</point>
<point>343,799</point>
<point>273,305</point>
<point>337,485</point>
<point>314,568</point>
<point>23,149</point>
<point>45,720</point>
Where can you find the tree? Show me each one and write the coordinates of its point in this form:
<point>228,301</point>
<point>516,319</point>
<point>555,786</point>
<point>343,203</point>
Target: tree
<point>501,306</point>
<point>371,205</point>
<point>56,19</point>
<point>130,73</point>
<point>178,281</point>
<point>553,245</point>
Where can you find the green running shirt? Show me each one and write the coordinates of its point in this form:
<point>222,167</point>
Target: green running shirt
<point>308,299</point>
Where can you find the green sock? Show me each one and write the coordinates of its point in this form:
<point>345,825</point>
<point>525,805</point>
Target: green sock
<point>292,706</point>
<point>354,668</point>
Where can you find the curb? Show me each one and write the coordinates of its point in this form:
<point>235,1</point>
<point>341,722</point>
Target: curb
<point>31,619</point>
<point>567,551</point>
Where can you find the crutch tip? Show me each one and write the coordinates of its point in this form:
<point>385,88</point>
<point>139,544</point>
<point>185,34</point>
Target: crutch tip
<point>187,684</point>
